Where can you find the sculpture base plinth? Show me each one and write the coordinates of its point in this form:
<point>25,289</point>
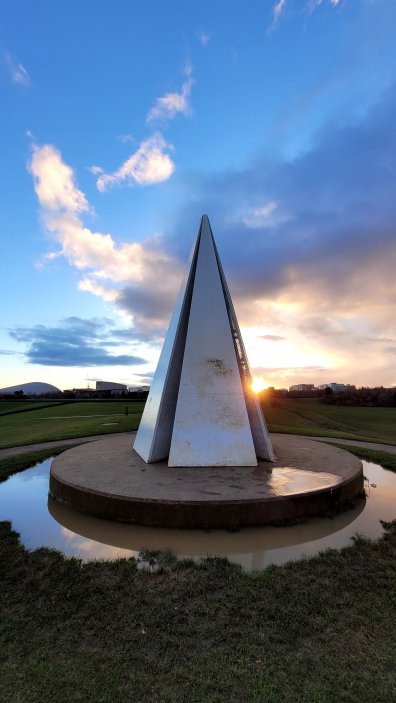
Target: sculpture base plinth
<point>108,479</point>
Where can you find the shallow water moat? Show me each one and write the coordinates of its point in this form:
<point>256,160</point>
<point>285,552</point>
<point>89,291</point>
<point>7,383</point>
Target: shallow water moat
<point>43,522</point>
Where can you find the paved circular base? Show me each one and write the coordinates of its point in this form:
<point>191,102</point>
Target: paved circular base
<point>108,479</point>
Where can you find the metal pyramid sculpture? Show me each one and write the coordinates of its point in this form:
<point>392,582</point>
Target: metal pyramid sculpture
<point>201,410</point>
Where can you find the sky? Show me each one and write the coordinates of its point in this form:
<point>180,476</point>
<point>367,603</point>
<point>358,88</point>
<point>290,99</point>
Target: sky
<point>123,122</point>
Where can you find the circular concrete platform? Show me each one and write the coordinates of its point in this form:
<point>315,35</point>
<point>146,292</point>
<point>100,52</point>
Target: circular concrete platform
<point>108,479</point>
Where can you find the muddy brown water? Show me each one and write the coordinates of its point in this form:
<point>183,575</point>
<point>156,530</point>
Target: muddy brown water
<point>41,521</point>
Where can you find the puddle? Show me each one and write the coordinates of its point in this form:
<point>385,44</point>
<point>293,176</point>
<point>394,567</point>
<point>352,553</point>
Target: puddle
<point>41,521</point>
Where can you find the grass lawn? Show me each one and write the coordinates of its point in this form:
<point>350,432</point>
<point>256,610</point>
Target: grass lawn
<point>14,406</point>
<point>290,415</point>
<point>321,630</point>
<point>310,416</point>
<point>71,420</point>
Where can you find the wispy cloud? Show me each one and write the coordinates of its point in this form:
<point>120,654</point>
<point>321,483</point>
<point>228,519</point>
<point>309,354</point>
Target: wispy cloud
<point>272,337</point>
<point>18,72</point>
<point>313,4</point>
<point>204,38</point>
<point>277,11</point>
<point>149,164</point>
<point>74,342</point>
<point>280,6</point>
<point>125,138</point>
<point>263,215</point>
<point>171,104</point>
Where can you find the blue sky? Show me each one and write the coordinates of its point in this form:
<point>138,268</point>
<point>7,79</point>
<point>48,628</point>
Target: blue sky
<point>123,122</point>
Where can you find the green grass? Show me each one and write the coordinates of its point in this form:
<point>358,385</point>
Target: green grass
<point>316,631</point>
<point>311,417</point>
<point>290,415</point>
<point>388,461</point>
<point>20,462</point>
<point>68,421</point>
<point>15,406</point>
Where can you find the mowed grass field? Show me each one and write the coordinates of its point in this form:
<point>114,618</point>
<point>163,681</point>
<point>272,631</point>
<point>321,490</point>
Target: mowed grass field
<point>14,406</point>
<point>311,417</point>
<point>67,421</point>
<point>40,423</point>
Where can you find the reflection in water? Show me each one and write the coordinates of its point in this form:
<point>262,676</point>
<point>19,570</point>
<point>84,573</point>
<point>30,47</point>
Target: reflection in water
<point>24,499</point>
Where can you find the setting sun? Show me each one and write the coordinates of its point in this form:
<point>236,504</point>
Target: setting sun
<point>258,384</point>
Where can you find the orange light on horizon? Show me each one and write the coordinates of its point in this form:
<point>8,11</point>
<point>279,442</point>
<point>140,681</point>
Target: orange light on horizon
<point>258,384</point>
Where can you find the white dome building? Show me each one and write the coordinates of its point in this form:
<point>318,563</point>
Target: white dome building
<point>34,388</point>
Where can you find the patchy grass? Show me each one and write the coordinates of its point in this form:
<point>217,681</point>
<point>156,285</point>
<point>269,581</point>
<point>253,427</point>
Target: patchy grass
<point>15,464</point>
<point>388,461</point>
<point>309,416</point>
<point>320,630</point>
<point>68,421</point>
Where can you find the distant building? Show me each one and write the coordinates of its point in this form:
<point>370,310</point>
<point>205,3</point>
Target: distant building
<point>110,388</point>
<point>302,387</point>
<point>79,392</point>
<point>338,387</point>
<point>33,388</point>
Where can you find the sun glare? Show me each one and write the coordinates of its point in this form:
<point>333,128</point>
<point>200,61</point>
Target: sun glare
<point>258,384</point>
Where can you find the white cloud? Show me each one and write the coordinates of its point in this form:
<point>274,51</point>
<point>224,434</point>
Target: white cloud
<point>280,6</point>
<point>124,138</point>
<point>19,74</point>
<point>53,181</point>
<point>259,215</point>
<point>96,170</point>
<point>170,104</point>
<point>268,215</point>
<point>276,13</point>
<point>204,38</point>
<point>91,286</point>
<point>149,164</point>
<point>125,273</point>
<point>313,4</point>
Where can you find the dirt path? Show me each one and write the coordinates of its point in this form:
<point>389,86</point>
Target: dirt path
<point>12,451</point>
<point>390,448</point>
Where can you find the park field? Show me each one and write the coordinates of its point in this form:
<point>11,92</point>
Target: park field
<point>38,422</point>
<point>202,633</point>
<point>16,406</point>
<point>312,417</point>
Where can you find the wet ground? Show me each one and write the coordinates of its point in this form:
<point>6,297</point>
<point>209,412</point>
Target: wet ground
<point>43,522</point>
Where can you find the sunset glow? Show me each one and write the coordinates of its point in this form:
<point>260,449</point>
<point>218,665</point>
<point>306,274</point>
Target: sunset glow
<point>258,384</point>
<point>99,214</point>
